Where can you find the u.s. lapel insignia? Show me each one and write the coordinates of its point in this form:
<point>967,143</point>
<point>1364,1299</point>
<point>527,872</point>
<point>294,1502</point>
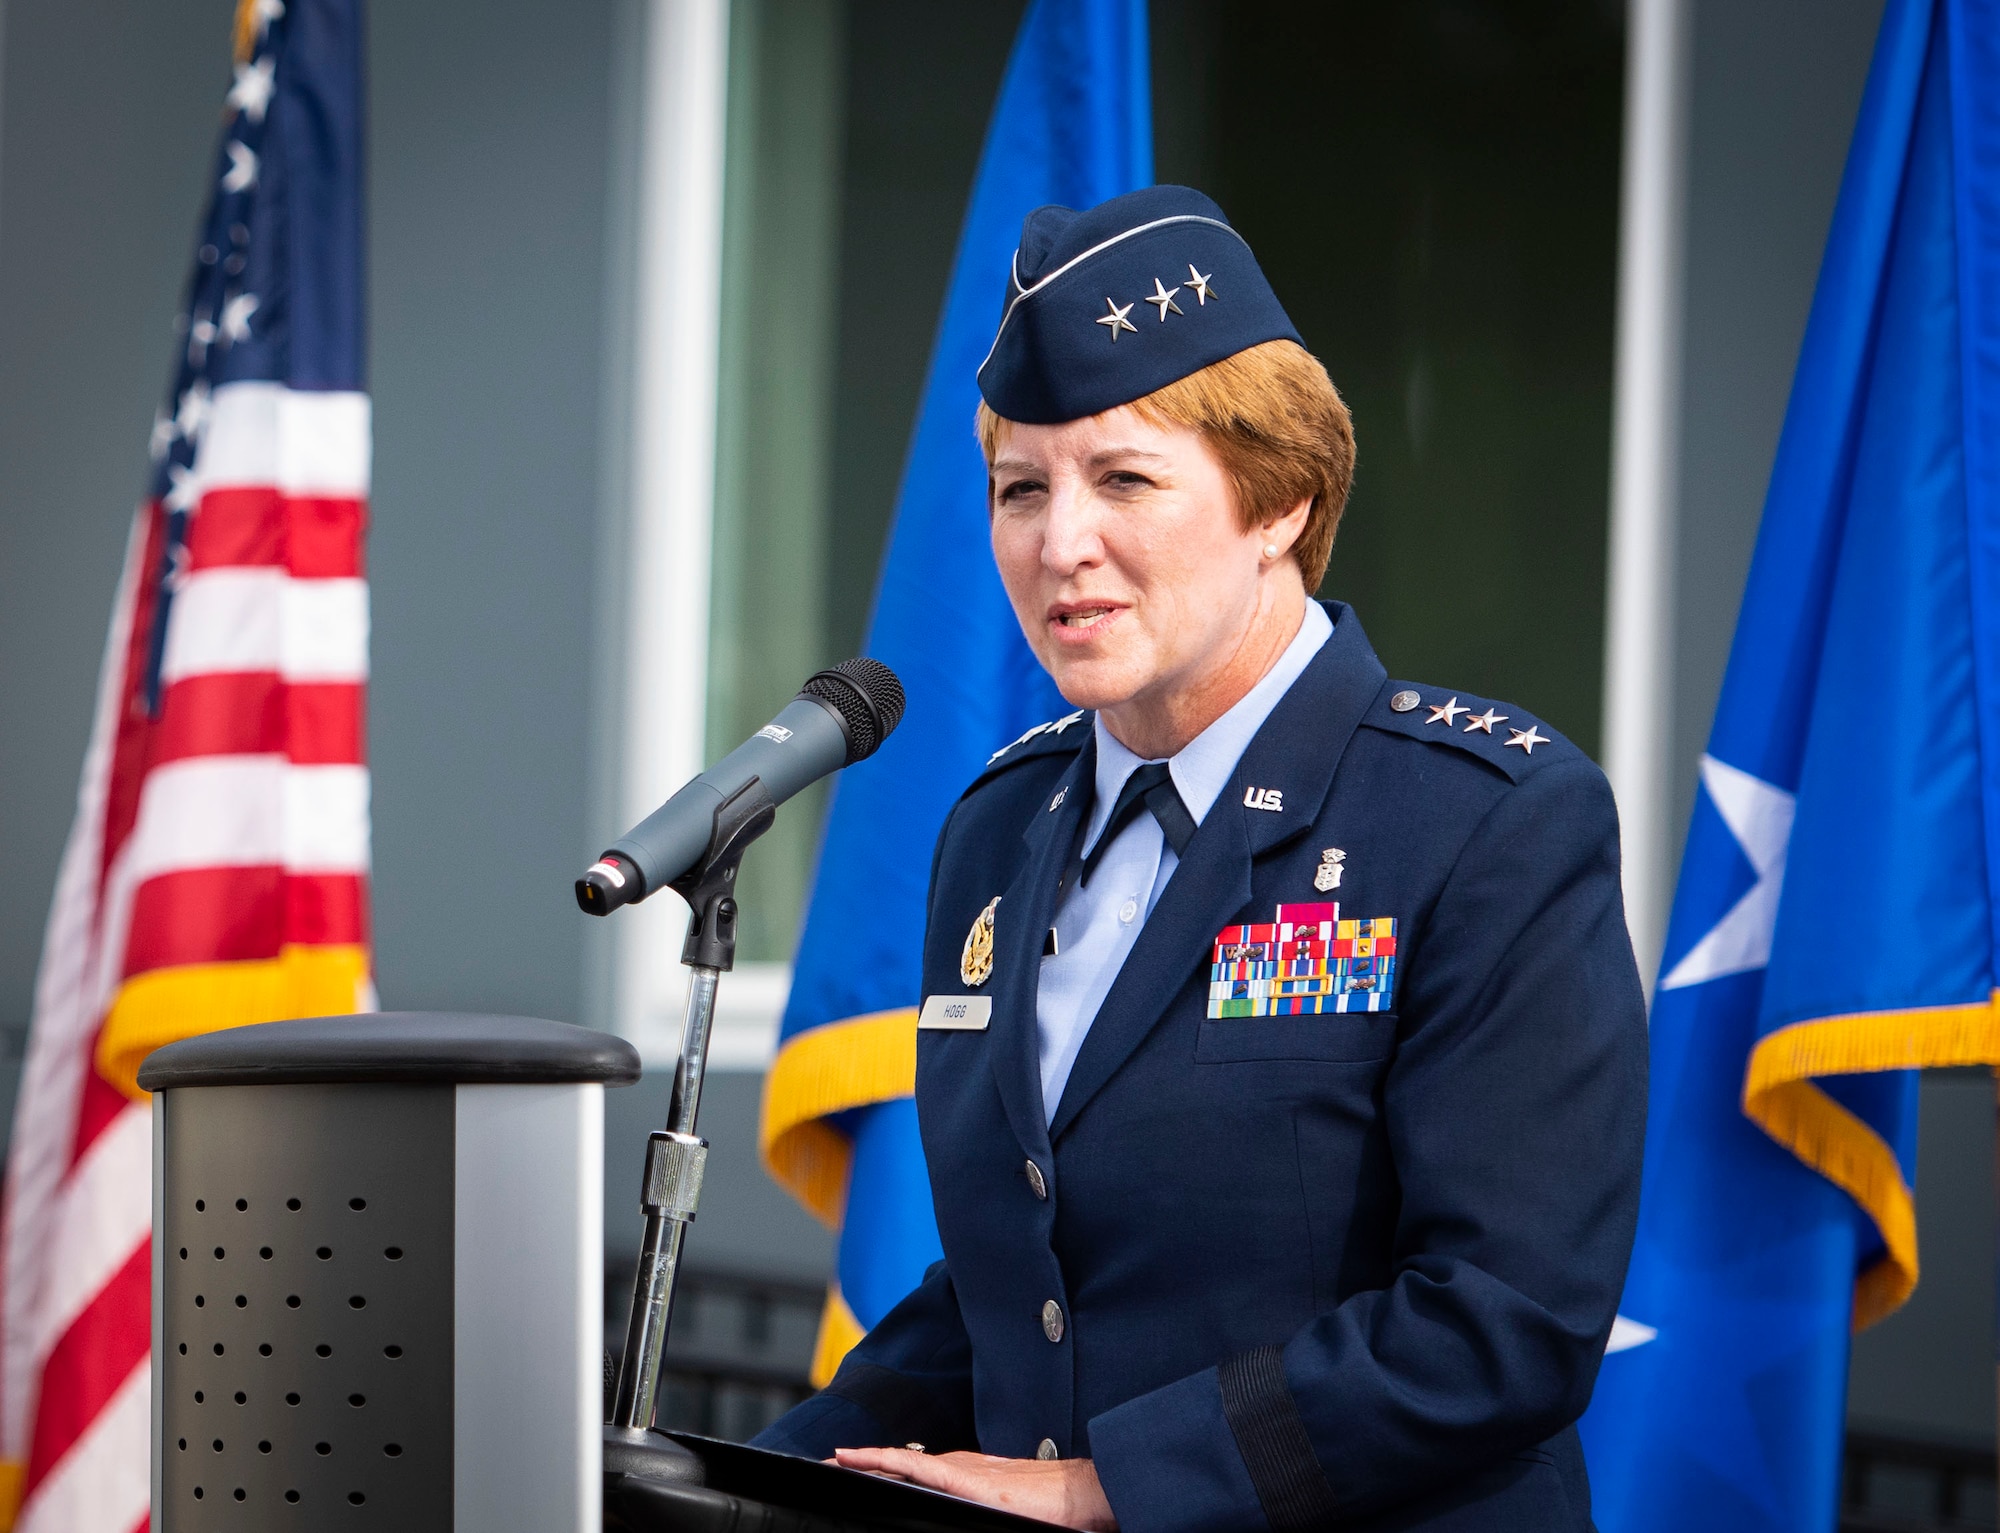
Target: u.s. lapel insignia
<point>975,964</point>
<point>1328,876</point>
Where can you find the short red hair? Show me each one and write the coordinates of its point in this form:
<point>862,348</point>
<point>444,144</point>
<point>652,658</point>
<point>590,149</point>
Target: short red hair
<point>1277,425</point>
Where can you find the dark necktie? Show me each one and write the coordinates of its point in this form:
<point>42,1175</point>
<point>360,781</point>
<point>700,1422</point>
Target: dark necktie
<point>1153,788</point>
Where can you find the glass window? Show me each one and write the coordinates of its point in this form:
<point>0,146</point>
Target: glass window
<point>774,428</point>
<point>854,132</point>
<point>1432,188</point>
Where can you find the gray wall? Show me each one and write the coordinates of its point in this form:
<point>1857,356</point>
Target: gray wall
<point>102,171</point>
<point>491,161</point>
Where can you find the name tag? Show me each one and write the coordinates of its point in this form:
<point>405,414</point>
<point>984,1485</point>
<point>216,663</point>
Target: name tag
<point>956,1013</point>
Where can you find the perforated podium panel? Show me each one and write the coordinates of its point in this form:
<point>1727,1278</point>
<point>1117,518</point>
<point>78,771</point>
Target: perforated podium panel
<point>377,1275</point>
<point>305,1248</point>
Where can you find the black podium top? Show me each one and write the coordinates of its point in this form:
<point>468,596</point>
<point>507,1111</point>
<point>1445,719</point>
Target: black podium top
<point>751,1488</point>
<point>432,1046</point>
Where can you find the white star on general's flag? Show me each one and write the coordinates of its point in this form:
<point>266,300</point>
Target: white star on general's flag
<point>242,172</point>
<point>236,317</point>
<point>1446,713</point>
<point>1759,816</point>
<point>1484,721</point>
<point>1199,282</point>
<point>1627,1334</point>
<point>1527,739</point>
<point>192,415</point>
<point>1116,319</point>
<point>161,442</point>
<point>255,82</point>
<point>1164,297</point>
<point>183,493</point>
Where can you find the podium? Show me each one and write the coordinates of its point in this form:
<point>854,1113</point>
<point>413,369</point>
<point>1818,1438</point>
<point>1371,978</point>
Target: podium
<point>378,1275</point>
<point>378,1262</point>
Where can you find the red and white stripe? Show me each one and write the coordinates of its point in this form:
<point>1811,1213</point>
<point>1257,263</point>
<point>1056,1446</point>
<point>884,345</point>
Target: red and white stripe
<point>232,824</point>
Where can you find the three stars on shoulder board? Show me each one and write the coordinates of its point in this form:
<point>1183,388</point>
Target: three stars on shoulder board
<point>1447,713</point>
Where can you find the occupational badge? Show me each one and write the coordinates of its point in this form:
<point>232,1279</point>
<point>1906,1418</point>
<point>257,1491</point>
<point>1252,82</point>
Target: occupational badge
<point>975,964</point>
<point>1328,876</point>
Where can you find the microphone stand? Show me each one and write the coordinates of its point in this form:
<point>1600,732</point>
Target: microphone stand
<point>675,1158</point>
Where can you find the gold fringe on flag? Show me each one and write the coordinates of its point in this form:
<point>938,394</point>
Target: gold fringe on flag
<point>1779,1096</point>
<point>829,1069</point>
<point>826,1070</point>
<point>155,1008</point>
<point>838,1332</point>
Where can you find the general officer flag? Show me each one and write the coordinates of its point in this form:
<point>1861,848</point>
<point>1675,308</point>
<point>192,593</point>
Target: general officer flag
<point>1835,925</point>
<point>1072,125</point>
<point>216,869</point>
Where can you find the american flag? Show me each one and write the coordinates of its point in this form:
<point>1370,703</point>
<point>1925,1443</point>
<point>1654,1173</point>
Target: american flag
<point>216,871</point>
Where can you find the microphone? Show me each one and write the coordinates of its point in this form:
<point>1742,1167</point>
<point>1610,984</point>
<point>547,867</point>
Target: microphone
<point>839,717</point>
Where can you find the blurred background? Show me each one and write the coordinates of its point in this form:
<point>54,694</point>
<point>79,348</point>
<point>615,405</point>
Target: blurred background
<point>1434,190</point>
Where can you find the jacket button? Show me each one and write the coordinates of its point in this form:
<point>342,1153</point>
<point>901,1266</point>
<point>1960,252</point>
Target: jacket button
<point>1052,1321</point>
<point>1046,1449</point>
<point>1041,1188</point>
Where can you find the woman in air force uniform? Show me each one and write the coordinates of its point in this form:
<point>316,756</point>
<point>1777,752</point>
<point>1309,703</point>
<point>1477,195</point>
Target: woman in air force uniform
<point>1281,1063</point>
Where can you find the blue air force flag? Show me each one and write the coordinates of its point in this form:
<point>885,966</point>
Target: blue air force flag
<point>1834,928</point>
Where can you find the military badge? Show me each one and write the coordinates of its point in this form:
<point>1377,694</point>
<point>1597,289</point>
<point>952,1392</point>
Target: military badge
<point>1328,876</point>
<point>1305,963</point>
<point>975,964</point>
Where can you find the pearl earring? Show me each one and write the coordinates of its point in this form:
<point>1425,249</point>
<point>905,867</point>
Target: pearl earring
<point>1270,550</point>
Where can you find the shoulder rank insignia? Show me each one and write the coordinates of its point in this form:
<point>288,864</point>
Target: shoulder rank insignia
<point>1053,726</point>
<point>1305,963</point>
<point>975,964</point>
<point>1479,728</point>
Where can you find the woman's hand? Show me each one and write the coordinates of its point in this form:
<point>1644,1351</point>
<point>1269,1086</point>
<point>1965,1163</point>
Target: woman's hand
<point>1062,1491</point>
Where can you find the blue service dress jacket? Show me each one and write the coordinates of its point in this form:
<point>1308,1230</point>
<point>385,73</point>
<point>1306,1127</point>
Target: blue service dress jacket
<point>1352,1269</point>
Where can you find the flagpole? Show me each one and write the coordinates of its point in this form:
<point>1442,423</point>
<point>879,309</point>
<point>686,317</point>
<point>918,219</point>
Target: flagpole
<point>676,307</point>
<point>1645,452</point>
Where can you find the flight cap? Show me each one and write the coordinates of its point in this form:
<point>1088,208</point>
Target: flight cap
<point>1106,305</point>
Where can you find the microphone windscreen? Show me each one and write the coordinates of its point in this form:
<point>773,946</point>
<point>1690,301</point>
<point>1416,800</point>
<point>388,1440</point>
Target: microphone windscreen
<point>867,695</point>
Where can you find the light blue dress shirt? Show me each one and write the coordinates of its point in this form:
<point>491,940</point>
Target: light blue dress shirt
<point>1097,923</point>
